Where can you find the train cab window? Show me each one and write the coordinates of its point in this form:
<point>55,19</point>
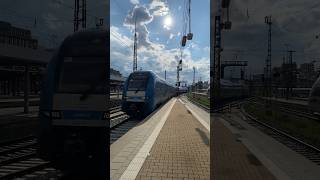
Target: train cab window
<point>82,74</point>
<point>138,82</point>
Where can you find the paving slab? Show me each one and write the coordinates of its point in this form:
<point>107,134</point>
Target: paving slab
<point>127,147</point>
<point>230,158</point>
<point>283,162</point>
<point>181,150</point>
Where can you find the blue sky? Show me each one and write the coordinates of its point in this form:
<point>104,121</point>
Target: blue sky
<point>159,43</point>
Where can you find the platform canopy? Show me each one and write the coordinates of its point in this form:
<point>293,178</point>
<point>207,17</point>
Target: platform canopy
<point>12,55</point>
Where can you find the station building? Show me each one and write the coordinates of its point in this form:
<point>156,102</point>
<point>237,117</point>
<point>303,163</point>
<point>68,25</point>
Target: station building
<point>116,81</point>
<point>22,62</point>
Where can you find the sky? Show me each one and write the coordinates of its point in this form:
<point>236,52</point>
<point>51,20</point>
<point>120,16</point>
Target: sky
<point>160,28</point>
<point>50,21</point>
<point>295,26</point>
<point>295,23</point>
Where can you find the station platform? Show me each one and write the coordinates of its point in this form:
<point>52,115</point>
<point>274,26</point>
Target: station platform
<point>242,151</point>
<point>14,111</point>
<point>178,139</point>
<point>230,158</point>
<point>169,144</point>
<point>8,100</point>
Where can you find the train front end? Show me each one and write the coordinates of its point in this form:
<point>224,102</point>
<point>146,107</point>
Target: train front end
<point>73,109</point>
<point>137,99</point>
<point>314,98</point>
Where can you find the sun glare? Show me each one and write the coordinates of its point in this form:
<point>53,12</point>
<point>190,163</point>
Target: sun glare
<point>167,22</point>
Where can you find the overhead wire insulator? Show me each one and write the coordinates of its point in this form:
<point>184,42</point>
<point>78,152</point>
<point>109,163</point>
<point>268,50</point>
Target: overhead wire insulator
<point>183,41</point>
<point>190,35</point>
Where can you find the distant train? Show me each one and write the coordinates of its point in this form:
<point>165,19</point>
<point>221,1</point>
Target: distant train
<point>296,92</point>
<point>314,97</point>
<point>232,90</point>
<point>182,89</point>
<point>73,104</point>
<point>144,91</point>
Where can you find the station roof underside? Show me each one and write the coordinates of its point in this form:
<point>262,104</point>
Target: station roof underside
<point>12,55</point>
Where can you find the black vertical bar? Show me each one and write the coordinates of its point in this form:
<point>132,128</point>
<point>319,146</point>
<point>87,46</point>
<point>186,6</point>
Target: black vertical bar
<point>26,89</point>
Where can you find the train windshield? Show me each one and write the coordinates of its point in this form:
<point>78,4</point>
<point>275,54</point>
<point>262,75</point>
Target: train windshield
<point>137,82</point>
<point>83,75</point>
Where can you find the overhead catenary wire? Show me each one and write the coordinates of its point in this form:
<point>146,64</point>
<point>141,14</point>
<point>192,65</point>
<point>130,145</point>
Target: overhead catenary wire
<point>119,38</point>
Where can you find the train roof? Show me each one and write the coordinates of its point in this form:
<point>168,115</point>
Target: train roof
<point>154,75</point>
<point>225,82</point>
<point>88,34</point>
<point>86,42</point>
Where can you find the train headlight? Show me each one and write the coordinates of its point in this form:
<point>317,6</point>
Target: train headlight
<point>56,114</point>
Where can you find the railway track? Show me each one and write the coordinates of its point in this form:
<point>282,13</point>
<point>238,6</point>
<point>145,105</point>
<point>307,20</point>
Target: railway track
<point>224,107</point>
<point>120,124</point>
<point>18,158</point>
<point>292,109</point>
<point>310,152</point>
<point>198,104</point>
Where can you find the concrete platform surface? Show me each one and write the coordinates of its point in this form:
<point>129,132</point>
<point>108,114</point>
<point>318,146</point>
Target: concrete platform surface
<point>281,161</point>
<point>127,148</point>
<point>200,114</point>
<point>18,110</point>
<point>230,158</point>
<point>181,150</point>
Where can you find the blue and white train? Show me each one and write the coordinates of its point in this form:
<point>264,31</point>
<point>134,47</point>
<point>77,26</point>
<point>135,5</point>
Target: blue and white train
<point>73,104</point>
<point>230,91</point>
<point>314,97</point>
<point>143,92</point>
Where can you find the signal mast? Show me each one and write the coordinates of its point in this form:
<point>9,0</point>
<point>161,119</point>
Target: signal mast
<point>184,39</point>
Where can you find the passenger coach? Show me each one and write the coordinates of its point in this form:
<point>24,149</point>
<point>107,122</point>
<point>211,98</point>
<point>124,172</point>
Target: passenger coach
<point>144,91</point>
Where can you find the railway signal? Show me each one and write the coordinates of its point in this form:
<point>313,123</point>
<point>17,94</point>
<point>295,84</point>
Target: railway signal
<point>186,36</point>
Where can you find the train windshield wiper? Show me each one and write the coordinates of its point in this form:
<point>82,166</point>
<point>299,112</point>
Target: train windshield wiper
<point>86,93</point>
<point>91,89</point>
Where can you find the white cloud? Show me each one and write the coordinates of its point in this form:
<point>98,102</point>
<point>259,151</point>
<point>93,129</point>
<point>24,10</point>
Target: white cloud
<point>117,37</point>
<point>166,27</point>
<point>158,59</point>
<point>171,36</point>
<point>153,55</point>
<point>134,1</point>
<point>138,14</point>
<point>158,8</point>
<point>141,16</point>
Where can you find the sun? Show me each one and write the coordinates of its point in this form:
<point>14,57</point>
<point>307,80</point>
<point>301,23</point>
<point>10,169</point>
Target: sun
<point>167,23</point>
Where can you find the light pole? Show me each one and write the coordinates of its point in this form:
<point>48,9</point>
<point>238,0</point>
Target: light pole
<point>215,66</point>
